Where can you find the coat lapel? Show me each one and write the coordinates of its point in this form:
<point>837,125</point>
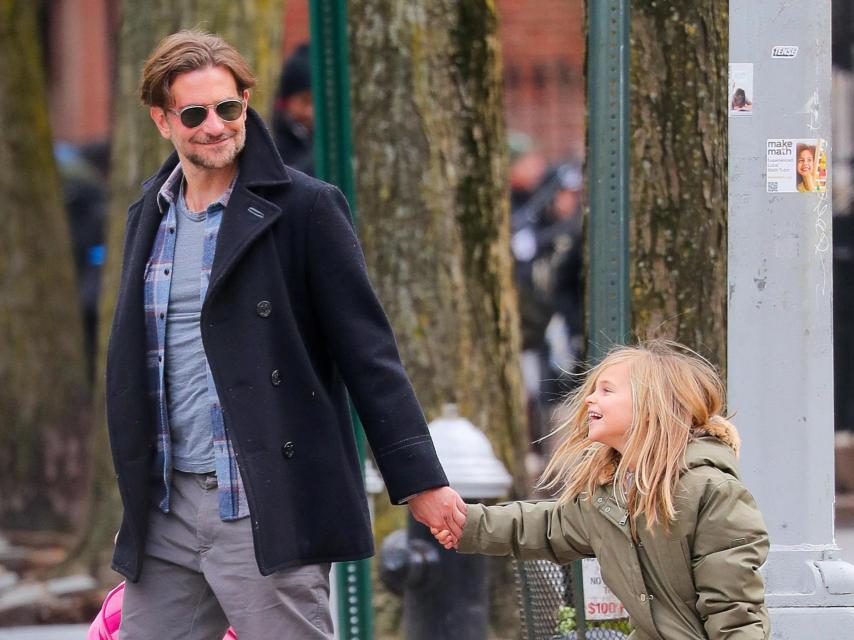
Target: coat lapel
<point>146,223</point>
<point>246,217</point>
<point>128,334</point>
<point>139,248</point>
<point>150,218</point>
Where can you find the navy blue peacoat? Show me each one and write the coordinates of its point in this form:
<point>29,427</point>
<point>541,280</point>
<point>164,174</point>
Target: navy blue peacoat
<point>289,293</point>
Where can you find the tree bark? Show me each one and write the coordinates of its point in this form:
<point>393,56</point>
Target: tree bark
<point>679,172</point>
<point>44,395</point>
<point>254,28</point>
<point>433,213</point>
<point>431,192</point>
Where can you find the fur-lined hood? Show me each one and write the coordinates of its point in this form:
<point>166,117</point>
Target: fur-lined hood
<point>716,444</point>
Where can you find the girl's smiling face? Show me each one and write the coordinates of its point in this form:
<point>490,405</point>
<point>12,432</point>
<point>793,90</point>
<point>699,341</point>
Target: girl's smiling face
<point>805,160</point>
<point>609,407</point>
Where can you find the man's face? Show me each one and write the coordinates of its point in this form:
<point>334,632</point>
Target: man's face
<point>214,144</point>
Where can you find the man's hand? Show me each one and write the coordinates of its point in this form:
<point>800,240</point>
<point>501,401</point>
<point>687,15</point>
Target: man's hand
<point>441,508</point>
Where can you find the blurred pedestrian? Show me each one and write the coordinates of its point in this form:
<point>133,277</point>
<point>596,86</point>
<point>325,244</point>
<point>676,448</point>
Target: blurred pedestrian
<point>565,230</point>
<point>547,251</point>
<point>527,170</point>
<point>244,310</point>
<point>293,112</point>
<point>83,176</point>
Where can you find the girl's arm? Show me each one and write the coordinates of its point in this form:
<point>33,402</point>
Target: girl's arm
<point>528,530</point>
<point>730,544</point>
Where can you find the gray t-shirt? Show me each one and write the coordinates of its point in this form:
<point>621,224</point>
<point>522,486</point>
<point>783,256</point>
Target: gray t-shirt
<point>186,364</point>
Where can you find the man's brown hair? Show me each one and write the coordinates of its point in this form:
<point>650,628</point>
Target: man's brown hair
<point>184,51</point>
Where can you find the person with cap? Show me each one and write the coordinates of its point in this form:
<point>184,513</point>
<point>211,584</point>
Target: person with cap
<point>293,112</point>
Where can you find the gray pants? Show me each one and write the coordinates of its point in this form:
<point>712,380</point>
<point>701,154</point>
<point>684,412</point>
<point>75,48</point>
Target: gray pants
<point>199,576</point>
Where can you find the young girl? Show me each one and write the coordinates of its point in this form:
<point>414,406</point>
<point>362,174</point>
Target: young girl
<point>649,485</point>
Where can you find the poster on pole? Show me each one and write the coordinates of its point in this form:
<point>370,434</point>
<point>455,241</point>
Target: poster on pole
<point>740,89</point>
<point>796,165</point>
<point>600,603</point>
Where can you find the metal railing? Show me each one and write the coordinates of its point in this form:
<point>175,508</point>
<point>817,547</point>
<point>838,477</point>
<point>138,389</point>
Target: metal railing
<point>546,593</point>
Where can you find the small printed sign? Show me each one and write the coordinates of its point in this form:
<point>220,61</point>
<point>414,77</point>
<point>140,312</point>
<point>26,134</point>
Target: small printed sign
<point>599,601</point>
<point>796,165</point>
<point>784,51</point>
<point>740,89</point>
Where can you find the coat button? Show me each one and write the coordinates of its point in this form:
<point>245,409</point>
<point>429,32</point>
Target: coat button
<point>288,450</point>
<point>276,378</point>
<point>264,308</point>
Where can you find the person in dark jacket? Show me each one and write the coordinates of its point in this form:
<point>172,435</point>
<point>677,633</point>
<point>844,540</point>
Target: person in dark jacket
<point>244,310</point>
<point>293,112</point>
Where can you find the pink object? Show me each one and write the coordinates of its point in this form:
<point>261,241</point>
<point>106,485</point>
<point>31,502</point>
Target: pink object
<point>106,624</point>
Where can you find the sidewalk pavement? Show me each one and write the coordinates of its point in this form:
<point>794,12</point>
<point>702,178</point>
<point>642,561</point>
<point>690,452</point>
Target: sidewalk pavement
<point>47,632</point>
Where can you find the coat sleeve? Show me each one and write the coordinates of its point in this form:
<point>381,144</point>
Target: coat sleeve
<point>542,530</point>
<point>730,545</point>
<point>360,339</point>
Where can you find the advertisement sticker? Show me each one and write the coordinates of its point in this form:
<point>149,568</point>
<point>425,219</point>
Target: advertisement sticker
<point>796,165</point>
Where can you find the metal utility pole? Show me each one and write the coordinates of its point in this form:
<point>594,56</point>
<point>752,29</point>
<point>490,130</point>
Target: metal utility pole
<point>333,148</point>
<point>608,186</point>
<point>608,168</point>
<point>780,344</point>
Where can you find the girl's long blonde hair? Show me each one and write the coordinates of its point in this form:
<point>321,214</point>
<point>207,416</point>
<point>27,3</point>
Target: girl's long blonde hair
<point>676,393</point>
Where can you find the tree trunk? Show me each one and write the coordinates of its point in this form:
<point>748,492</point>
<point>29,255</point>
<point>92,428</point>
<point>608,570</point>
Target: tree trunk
<point>433,209</point>
<point>433,212</point>
<point>679,172</point>
<point>44,395</point>
<point>254,28</point>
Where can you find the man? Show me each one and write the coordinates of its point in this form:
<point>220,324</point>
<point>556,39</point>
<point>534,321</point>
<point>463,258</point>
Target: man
<point>243,310</point>
<point>293,112</point>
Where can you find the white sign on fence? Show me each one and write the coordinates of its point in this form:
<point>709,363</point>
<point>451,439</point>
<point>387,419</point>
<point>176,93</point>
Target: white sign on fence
<point>599,602</point>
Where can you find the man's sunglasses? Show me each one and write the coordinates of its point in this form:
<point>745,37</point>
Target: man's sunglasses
<point>195,114</point>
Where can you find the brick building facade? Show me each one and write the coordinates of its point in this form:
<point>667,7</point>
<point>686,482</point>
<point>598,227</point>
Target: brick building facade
<point>543,51</point>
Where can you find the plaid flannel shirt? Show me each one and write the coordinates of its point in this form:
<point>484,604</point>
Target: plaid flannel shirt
<point>158,279</point>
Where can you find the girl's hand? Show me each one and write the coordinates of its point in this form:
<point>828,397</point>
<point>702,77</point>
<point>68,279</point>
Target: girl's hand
<point>445,538</point>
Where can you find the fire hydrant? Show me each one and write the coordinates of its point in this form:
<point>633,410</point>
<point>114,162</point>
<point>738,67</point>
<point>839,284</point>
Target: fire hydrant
<point>446,594</point>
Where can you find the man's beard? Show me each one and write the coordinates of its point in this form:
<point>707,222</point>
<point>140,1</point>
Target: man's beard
<point>220,161</point>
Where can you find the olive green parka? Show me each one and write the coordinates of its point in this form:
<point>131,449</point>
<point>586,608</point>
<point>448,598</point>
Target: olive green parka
<point>700,580</point>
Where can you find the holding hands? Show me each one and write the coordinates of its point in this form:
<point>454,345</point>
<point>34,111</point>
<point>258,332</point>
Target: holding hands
<point>445,538</point>
<point>443,510</point>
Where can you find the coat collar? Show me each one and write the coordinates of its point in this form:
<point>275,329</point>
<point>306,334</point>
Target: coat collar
<point>248,213</point>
